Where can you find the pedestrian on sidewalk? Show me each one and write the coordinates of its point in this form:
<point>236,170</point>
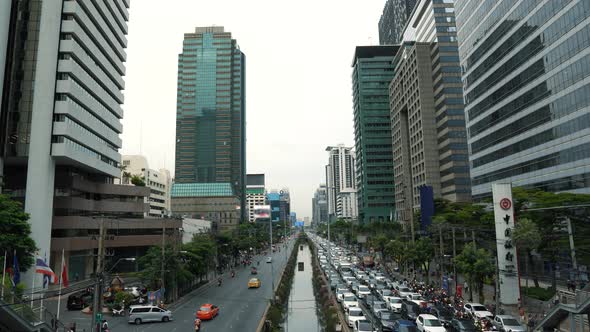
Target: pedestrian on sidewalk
<point>521,314</point>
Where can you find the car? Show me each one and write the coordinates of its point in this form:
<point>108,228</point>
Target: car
<point>254,283</point>
<point>386,320</point>
<point>416,298</point>
<point>349,300</point>
<point>253,270</point>
<point>395,304</point>
<point>477,310</point>
<point>353,315</point>
<point>349,280</point>
<point>410,310</point>
<point>378,306</point>
<point>384,294</point>
<point>80,300</point>
<point>443,314</point>
<point>148,313</point>
<point>403,325</point>
<point>340,293</point>
<point>368,300</point>
<point>269,259</point>
<point>363,291</point>
<point>403,291</point>
<point>207,311</point>
<point>507,323</point>
<point>429,323</point>
<point>364,326</point>
<point>379,276</point>
<point>462,325</point>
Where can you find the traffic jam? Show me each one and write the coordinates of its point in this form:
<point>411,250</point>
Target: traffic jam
<point>373,300</point>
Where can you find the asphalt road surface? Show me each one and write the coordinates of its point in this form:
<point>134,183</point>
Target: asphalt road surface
<point>241,309</point>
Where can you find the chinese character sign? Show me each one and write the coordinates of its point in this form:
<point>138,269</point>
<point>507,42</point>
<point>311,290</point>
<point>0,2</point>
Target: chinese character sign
<point>507,258</point>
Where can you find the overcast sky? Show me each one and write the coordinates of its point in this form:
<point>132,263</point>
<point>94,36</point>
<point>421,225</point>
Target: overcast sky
<point>298,80</point>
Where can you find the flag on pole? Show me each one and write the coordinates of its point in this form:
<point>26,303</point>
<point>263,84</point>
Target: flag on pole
<point>15,271</point>
<point>41,267</point>
<point>64,273</point>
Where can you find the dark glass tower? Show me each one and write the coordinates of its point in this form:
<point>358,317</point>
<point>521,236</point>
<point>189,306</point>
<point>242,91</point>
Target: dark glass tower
<point>372,73</point>
<point>394,18</point>
<point>210,111</point>
<point>526,73</point>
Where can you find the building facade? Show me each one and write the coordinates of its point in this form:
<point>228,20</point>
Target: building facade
<point>346,205</point>
<point>393,20</point>
<point>255,193</point>
<point>319,205</point>
<point>340,174</point>
<point>60,112</point>
<point>210,201</point>
<point>413,126</point>
<point>210,111</point>
<point>433,23</point>
<point>526,73</point>
<point>159,182</point>
<point>372,73</point>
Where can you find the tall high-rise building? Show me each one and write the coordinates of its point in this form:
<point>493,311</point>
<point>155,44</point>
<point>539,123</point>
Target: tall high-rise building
<point>339,174</point>
<point>394,18</point>
<point>210,111</point>
<point>319,205</point>
<point>372,73</point>
<point>60,114</point>
<point>525,70</point>
<point>428,123</point>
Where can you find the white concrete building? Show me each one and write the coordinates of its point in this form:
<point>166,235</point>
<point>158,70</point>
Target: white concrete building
<point>346,204</point>
<point>60,115</point>
<point>192,227</point>
<point>255,193</point>
<point>340,174</point>
<point>159,182</point>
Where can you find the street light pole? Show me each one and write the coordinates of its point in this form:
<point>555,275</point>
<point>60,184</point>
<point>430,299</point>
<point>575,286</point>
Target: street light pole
<point>272,278</point>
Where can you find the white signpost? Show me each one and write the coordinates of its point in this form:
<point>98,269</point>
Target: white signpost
<point>507,256</point>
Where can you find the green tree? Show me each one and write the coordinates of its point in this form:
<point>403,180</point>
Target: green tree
<point>175,270</point>
<point>476,265</point>
<point>526,236</point>
<point>422,252</point>
<point>396,249</point>
<point>138,180</point>
<point>15,232</point>
<point>379,242</point>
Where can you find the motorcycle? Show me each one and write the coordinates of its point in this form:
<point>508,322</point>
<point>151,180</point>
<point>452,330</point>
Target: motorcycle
<point>219,282</point>
<point>233,274</point>
<point>197,324</point>
<point>119,312</point>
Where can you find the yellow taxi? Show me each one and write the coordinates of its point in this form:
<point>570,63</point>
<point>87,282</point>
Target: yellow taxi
<point>254,283</point>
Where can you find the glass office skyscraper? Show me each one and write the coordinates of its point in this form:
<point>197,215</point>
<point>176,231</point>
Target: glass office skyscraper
<point>372,73</point>
<point>394,18</point>
<point>526,74</point>
<point>210,110</point>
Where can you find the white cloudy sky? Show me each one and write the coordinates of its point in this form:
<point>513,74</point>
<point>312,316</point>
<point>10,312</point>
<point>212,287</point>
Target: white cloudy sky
<point>298,57</point>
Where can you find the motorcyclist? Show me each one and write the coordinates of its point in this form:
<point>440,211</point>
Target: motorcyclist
<point>233,273</point>
<point>197,324</point>
<point>219,281</point>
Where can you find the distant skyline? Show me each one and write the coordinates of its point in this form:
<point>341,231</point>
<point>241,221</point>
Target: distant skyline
<point>298,88</point>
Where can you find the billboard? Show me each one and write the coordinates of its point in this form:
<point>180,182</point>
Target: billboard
<point>426,206</point>
<point>507,257</point>
<point>261,212</point>
<point>255,180</point>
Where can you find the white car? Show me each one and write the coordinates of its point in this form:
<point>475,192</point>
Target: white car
<point>363,291</point>
<point>269,259</point>
<point>478,310</point>
<point>416,298</point>
<point>379,276</point>
<point>404,291</point>
<point>349,280</point>
<point>349,300</point>
<point>395,304</point>
<point>353,315</point>
<point>429,323</point>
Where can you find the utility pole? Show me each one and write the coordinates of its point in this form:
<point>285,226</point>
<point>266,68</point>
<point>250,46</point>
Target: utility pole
<point>272,276</point>
<point>454,266</point>
<point>442,255</point>
<point>162,272</point>
<point>97,305</point>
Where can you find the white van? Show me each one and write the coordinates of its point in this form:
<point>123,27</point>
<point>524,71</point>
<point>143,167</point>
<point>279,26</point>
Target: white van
<point>148,313</point>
